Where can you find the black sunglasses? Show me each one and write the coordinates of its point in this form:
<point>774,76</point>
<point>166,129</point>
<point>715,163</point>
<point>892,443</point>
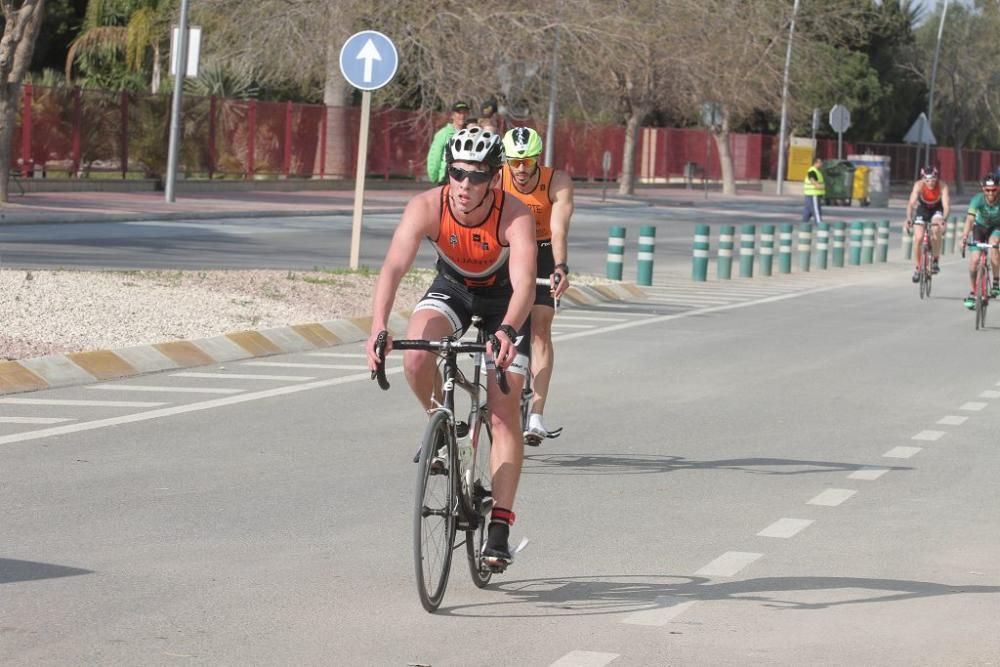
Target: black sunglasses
<point>475,177</point>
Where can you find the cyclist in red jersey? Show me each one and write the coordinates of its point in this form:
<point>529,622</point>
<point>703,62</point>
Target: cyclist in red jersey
<point>485,242</point>
<point>929,205</point>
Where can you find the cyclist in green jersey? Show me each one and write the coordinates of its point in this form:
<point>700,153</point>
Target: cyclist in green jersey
<point>983,222</point>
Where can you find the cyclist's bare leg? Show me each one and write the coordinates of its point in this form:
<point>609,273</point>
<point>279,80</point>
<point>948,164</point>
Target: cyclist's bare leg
<point>937,234</point>
<point>507,453</point>
<point>542,355</point>
<point>918,238</point>
<point>973,262</point>
<point>419,366</point>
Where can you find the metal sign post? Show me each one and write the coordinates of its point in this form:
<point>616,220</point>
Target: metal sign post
<point>368,61</point>
<point>606,165</point>
<point>711,117</point>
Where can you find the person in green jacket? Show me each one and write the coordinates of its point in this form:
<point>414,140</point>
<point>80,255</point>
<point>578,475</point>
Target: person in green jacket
<point>437,168</point>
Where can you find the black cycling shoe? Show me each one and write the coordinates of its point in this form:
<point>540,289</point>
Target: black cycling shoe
<point>916,276</point>
<point>461,429</point>
<point>496,553</point>
<point>934,267</point>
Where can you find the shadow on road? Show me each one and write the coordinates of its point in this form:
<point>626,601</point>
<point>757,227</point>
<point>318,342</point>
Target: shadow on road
<point>12,571</point>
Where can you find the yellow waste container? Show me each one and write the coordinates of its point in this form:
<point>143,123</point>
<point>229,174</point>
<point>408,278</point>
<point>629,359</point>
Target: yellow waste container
<point>860,188</point>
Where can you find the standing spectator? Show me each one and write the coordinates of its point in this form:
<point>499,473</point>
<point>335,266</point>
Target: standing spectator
<point>437,168</point>
<point>488,116</point>
<point>814,189</point>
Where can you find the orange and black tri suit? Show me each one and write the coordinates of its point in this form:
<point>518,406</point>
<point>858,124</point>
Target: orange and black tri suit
<point>928,202</point>
<point>539,202</point>
<point>473,268</point>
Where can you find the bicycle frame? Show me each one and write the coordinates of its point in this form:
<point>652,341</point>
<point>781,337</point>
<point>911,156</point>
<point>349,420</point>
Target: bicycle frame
<point>983,280</point>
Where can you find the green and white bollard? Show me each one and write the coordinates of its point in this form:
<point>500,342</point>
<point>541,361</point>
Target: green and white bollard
<point>748,234</point>
<point>644,267</point>
<point>907,244</point>
<point>949,238</point>
<point>868,243</point>
<point>839,232</point>
<point>822,244</point>
<point>766,249</point>
<point>857,232</point>
<point>616,252</point>
<point>785,248</point>
<point>699,255</point>
<point>883,241</point>
<point>725,265</point>
<point>805,245</point>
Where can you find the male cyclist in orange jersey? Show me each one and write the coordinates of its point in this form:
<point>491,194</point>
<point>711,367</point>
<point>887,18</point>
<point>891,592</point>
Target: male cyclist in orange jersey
<point>485,243</point>
<point>930,202</point>
<point>549,194</point>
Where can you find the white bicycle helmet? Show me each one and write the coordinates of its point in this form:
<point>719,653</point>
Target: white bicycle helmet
<point>474,144</point>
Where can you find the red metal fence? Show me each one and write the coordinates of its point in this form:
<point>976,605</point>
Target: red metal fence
<point>81,131</point>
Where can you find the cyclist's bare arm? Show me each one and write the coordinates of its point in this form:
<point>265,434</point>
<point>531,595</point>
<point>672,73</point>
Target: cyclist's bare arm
<point>562,209</point>
<point>910,205</point>
<point>945,201</point>
<point>969,220</point>
<point>517,230</point>
<point>419,220</point>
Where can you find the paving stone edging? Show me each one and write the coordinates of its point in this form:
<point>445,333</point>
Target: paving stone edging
<point>77,368</point>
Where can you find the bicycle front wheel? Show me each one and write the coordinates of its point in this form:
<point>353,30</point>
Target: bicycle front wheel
<point>434,517</point>
<point>925,275</point>
<point>482,500</point>
<point>982,285</point>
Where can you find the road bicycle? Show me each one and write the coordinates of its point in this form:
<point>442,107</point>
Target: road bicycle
<point>924,260</point>
<point>453,478</point>
<point>983,281</point>
<point>528,392</point>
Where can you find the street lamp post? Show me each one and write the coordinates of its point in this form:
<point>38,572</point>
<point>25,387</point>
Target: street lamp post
<point>784,102</point>
<point>930,98</point>
<point>176,129</point>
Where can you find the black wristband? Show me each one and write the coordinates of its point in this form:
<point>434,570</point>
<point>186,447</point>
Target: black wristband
<point>563,266</point>
<point>510,331</point>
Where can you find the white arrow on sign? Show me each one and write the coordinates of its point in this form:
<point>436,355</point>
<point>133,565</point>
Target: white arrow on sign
<point>369,54</point>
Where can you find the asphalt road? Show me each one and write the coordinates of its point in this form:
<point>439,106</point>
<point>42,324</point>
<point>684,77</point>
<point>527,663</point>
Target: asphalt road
<point>799,470</point>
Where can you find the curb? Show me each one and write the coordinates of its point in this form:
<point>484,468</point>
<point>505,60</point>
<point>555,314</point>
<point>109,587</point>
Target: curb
<point>79,368</point>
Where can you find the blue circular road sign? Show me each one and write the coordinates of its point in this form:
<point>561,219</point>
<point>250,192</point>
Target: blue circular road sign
<point>368,60</point>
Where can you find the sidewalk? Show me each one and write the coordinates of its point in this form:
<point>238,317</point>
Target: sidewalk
<point>58,207</point>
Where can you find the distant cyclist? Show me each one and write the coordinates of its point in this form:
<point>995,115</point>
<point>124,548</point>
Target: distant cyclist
<point>548,193</point>
<point>983,221</point>
<point>929,205</point>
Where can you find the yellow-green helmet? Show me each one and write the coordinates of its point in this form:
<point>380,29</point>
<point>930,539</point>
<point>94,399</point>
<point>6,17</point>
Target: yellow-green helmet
<point>521,142</point>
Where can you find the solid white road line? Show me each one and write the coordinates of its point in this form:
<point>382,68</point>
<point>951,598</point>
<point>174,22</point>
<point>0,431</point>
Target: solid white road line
<point>589,318</point>
<point>786,528</point>
<point>569,325</point>
<point>34,420</point>
<point>973,406</point>
<point>952,420</point>
<point>292,364</point>
<point>244,376</point>
<point>868,473</point>
<point>901,452</point>
<point>584,659</point>
<point>666,609</point>
<point>342,355</point>
<point>80,403</point>
<point>174,390</point>
<point>728,564</point>
<point>928,435</point>
<point>832,497</point>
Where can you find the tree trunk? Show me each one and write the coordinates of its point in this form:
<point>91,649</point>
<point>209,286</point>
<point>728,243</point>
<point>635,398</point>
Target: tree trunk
<point>21,23</point>
<point>336,97</point>
<point>626,180</point>
<point>959,166</point>
<point>721,136</point>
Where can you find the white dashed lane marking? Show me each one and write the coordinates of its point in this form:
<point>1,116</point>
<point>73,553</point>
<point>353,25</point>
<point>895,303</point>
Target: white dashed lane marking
<point>584,659</point>
<point>868,474</point>
<point>928,435</point>
<point>973,406</point>
<point>80,403</point>
<point>340,355</point>
<point>667,608</point>
<point>952,420</point>
<point>832,497</point>
<point>786,528</point>
<point>990,394</point>
<point>728,564</point>
<point>34,420</point>
<point>174,390</point>
<point>293,364</point>
<point>901,452</point>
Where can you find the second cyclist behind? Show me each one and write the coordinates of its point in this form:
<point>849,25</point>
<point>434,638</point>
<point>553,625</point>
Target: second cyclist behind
<point>983,221</point>
<point>548,193</point>
<point>929,205</point>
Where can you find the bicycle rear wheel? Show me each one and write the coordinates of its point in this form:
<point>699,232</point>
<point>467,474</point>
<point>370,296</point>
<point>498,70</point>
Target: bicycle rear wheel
<point>434,517</point>
<point>925,275</point>
<point>482,488</point>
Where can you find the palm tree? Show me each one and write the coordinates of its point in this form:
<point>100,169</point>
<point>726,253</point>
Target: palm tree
<point>120,46</point>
